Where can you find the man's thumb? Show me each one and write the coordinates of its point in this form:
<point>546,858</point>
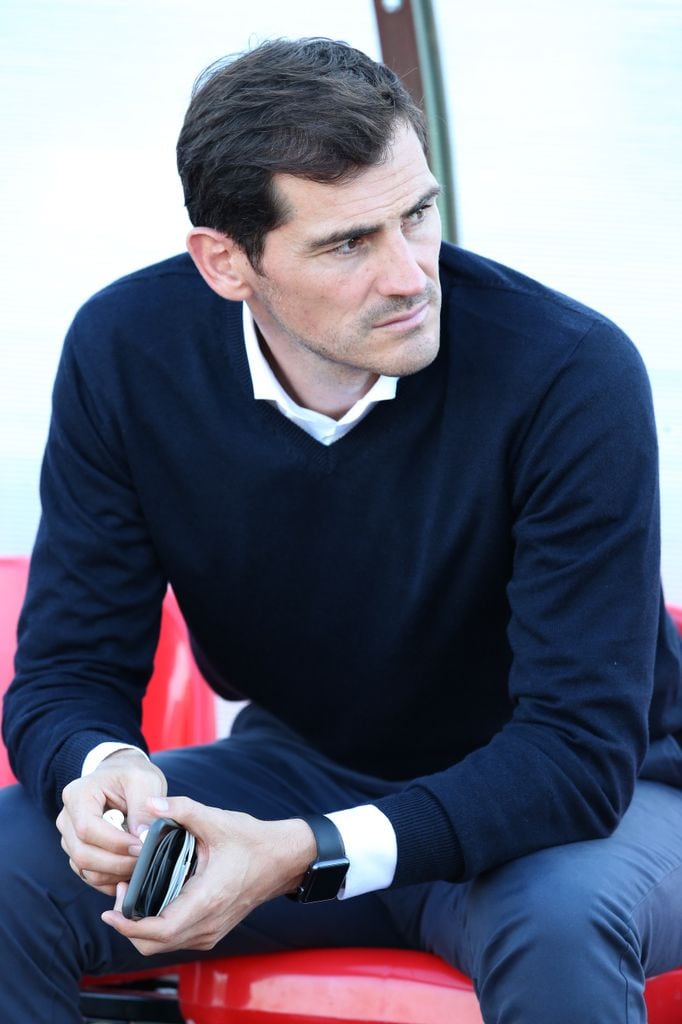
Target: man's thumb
<point>179,808</point>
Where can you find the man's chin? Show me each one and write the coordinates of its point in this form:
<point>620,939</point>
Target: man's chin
<point>412,358</point>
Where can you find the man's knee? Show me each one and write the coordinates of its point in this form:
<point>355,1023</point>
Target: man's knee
<point>554,904</point>
<point>549,940</point>
<point>37,879</point>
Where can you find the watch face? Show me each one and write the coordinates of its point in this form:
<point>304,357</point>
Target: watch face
<point>323,880</point>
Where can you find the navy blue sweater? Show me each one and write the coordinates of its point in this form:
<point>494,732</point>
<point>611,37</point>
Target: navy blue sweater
<point>463,593</point>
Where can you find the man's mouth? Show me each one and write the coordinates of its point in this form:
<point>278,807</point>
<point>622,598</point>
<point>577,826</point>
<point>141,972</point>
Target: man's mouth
<point>408,318</point>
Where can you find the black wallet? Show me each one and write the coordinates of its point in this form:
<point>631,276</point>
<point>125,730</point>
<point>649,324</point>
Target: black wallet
<point>166,861</point>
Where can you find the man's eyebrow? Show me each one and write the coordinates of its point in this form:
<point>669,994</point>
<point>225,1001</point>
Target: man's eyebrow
<point>360,230</point>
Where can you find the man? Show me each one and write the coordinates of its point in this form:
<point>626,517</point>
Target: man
<point>407,500</point>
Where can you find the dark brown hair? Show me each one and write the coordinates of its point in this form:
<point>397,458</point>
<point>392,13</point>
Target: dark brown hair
<point>315,108</point>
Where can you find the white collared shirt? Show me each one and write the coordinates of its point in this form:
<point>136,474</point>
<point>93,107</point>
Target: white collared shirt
<point>323,428</point>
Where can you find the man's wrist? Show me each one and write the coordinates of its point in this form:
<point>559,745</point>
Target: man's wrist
<point>103,751</point>
<point>325,874</point>
<point>292,844</point>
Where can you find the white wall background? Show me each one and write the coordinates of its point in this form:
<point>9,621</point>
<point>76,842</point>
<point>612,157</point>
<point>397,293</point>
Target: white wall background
<point>567,130</point>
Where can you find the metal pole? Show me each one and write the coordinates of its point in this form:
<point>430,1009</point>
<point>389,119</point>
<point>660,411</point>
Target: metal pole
<point>409,45</point>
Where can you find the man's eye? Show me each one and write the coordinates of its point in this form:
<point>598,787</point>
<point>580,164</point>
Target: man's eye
<point>418,215</point>
<point>348,247</point>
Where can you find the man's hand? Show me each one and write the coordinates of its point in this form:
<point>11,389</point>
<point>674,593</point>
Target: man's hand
<point>99,852</point>
<point>242,862</point>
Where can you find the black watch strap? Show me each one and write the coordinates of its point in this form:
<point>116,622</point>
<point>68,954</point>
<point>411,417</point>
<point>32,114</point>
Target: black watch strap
<point>326,874</point>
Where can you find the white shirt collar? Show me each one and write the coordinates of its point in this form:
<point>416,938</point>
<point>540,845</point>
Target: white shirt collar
<point>323,428</point>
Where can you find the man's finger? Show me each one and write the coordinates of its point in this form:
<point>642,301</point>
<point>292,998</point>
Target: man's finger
<point>148,929</point>
<point>141,783</point>
<point>156,935</point>
<point>102,870</point>
<point>182,809</point>
<point>102,883</point>
<point>100,855</point>
<point>90,830</point>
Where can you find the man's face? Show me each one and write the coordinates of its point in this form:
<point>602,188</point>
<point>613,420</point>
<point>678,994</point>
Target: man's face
<point>349,284</point>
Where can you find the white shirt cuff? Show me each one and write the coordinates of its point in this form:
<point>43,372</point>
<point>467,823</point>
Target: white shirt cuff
<point>371,848</point>
<point>97,754</point>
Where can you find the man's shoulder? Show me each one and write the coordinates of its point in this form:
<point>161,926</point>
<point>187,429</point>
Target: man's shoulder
<point>158,303</point>
<point>473,280</point>
<point>516,319</point>
<point>159,282</point>
<point>179,265</point>
<point>161,316</point>
<point>508,340</point>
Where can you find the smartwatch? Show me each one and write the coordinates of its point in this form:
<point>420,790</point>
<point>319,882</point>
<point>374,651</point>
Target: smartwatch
<point>326,874</point>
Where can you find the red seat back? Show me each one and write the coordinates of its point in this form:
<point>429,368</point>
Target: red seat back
<point>178,708</point>
<point>13,577</point>
<point>676,616</point>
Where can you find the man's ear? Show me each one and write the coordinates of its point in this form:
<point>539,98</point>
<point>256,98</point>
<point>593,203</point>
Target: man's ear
<point>223,265</point>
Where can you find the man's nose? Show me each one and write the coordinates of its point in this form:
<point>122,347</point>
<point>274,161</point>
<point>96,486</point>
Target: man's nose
<point>400,272</point>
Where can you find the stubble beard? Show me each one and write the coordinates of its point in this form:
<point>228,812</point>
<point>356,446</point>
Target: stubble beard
<point>399,357</point>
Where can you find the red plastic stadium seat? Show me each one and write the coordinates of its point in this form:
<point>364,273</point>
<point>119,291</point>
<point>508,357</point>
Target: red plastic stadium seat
<point>355,986</point>
<point>676,616</point>
<point>179,707</point>
<point>663,996</point>
<point>327,986</point>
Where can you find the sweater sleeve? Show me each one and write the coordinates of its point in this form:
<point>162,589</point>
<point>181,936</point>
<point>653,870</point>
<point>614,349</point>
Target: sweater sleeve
<point>584,597</point>
<point>89,626</point>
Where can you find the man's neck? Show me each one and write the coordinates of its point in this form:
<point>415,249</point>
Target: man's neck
<point>332,394</point>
